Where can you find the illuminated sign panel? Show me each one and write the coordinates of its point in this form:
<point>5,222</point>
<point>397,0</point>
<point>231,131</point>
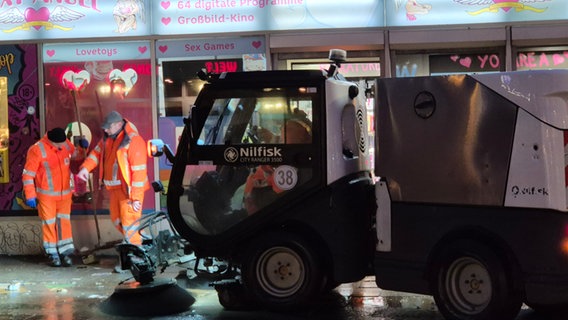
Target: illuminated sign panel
<point>205,16</point>
<point>96,51</point>
<point>77,19</point>
<point>210,47</point>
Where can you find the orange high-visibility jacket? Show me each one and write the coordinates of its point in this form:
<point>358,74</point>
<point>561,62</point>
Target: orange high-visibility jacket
<point>46,172</point>
<point>126,153</point>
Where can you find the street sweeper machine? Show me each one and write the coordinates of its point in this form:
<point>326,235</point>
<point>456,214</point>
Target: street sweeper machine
<point>466,201</point>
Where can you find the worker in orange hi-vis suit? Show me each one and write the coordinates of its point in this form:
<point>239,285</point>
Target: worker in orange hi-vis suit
<point>122,153</point>
<point>47,186</point>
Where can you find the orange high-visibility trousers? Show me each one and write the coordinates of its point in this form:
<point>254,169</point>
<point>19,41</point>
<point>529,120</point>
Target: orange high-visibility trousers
<point>124,218</point>
<point>55,218</point>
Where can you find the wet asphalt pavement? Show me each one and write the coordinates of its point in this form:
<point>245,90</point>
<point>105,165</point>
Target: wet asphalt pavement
<point>30,289</point>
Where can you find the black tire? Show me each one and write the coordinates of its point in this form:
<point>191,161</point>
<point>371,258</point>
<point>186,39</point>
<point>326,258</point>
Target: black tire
<point>281,271</point>
<point>471,282</point>
<point>232,296</point>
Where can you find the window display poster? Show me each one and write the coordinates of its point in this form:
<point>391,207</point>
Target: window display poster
<point>18,64</point>
<point>86,91</point>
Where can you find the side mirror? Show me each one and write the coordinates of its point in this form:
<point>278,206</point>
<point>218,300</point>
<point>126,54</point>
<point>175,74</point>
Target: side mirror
<point>157,147</point>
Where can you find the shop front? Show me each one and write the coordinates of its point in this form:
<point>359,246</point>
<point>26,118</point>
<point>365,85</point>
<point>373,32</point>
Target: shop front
<point>68,63</point>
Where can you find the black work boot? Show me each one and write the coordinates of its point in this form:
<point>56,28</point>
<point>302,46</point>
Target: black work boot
<point>54,260</point>
<point>66,260</point>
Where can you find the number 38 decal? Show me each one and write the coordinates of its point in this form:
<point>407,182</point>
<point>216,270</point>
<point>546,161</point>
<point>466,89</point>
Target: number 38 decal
<point>285,177</point>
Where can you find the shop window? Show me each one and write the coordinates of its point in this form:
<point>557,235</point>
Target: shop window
<point>415,65</point>
<point>465,63</point>
<point>542,58</point>
<point>272,119</point>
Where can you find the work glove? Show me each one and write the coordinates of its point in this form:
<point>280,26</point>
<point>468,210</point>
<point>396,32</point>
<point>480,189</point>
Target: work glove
<point>83,174</point>
<point>32,203</point>
<point>136,205</point>
<point>84,143</point>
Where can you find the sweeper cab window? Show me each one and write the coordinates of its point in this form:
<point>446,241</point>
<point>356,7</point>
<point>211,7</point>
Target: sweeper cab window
<point>254,149</point>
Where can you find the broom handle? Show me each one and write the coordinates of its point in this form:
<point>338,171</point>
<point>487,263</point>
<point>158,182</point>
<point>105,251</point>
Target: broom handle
<point>94,203</point>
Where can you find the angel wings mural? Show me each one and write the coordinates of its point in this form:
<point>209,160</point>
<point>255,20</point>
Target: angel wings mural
<point>413,7</point>
<point>504,5</point>
<point>42,17</point>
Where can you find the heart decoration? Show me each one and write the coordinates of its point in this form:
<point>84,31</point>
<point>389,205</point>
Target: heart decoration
<point>256,44</point>
<point>506,9</point>
<point>76,81</point>
<point>466,62</point>
<point>557,59</point>
<point>127,77</point>
<point>165,5</point>
<point>163,49</point>
<point>31,15</point>
<point>50,52</point>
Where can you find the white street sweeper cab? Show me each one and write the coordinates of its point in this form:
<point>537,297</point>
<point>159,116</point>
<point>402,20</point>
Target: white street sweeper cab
<point>271,176</point>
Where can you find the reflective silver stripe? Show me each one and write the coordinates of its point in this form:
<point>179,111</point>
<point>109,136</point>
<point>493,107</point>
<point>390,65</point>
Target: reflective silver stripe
<point>64,216</point>
<point>26,182</point>
<point>115,181</point>
<point>115,171</point>
<point>63,242</point>
<point>49,221</point>
<point>94,158</point>
<point>42,149</point>
<point>50,248</point>
<point>65,248</point>
<point>46,165</point>
<point>48,173</point>
<point>97,148</point>
<point>53,193</point>
<point>138,168</point>
<point>130,227</point>
<point>112,183</point>
<point>116,222</point>
<point>130,231</point>
<point>138,184</point>
<point>30,173</point>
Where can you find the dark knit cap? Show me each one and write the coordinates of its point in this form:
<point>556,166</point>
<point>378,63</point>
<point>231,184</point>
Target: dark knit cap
<point>111,118</point>
<point>56,135</point>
